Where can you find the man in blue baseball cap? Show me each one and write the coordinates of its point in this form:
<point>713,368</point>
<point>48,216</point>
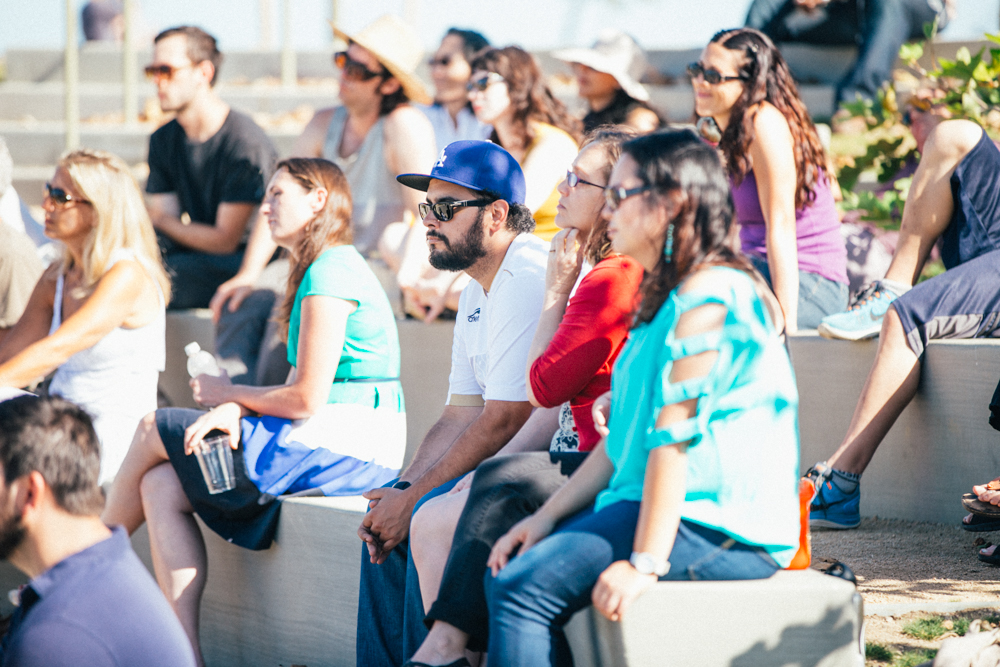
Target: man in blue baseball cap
<point>476,222</point>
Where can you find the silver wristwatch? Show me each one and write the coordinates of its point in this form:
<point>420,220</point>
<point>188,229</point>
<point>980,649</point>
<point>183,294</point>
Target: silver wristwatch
<point>649,564</point>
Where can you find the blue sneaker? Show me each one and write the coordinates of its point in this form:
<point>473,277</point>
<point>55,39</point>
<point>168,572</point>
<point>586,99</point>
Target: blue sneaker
<point>864,318</point>
<point>831,507</point>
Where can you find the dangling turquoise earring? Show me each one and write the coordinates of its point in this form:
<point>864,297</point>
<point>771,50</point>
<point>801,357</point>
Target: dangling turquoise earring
<point>668,246</point>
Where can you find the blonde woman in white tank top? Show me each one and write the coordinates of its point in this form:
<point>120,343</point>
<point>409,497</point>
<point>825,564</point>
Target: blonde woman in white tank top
<point>97,316</point>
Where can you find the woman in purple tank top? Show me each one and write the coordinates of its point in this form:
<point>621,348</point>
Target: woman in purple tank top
<point>788,221</point>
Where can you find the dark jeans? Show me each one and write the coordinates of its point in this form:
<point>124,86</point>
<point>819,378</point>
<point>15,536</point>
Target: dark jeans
<point>878,27</point>
<point>504,490</point>
<point>390,609</point>
<point>818,296</point>
<point>194,276</point>
<point>536,594</point>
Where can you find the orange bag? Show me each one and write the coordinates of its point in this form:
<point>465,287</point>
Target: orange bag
<point>803,557</point>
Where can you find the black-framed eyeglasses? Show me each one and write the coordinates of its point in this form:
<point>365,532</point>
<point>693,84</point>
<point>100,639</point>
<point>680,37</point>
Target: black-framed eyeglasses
<point>572,180</point>
<point>445,210</point>
<point>61,197</point>
<point>614,197</point>
<point>443,61</point>
<point>482,83</point>
<point>352,69</point>
<point>711,76</point>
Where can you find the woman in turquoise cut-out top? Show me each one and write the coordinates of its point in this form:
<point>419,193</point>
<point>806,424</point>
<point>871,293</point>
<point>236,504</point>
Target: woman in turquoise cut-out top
<point>696,478</point>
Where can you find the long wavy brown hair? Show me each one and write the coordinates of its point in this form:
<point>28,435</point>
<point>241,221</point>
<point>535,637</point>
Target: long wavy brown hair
<point>610,139</point>
<point>768,79</point>
<point>705,232</point>
<point>530,98</point>
<point>331,226</point>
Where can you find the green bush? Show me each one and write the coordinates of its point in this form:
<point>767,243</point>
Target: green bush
<point>877,652</point>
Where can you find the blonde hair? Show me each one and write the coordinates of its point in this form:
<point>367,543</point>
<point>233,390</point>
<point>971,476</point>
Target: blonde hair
<point>120,217</point>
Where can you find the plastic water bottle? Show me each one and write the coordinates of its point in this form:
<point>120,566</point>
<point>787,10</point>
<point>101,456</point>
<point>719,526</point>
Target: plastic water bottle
<point>200,362</point>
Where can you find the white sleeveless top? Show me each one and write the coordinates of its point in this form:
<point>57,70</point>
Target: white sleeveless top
<point>377,196</point>
<point>115,379</point>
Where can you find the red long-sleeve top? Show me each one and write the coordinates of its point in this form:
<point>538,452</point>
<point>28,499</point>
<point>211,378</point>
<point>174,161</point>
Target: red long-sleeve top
<point>576,366</point>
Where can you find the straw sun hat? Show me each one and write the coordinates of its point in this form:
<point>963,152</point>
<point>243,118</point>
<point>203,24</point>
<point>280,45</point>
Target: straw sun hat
<point>397,48</point>
<point>617,54</point>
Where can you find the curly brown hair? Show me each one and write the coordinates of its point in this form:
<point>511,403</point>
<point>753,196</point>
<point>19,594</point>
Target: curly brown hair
<point>705,232</point>
<point>768,79</point>
<point>530,98</point>
<point>331,226</point>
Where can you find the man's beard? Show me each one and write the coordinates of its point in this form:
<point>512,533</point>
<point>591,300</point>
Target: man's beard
<point>464,253</point>
<point>12,534</point>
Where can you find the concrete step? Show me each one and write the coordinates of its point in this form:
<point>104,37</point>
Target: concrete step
<point>23,101</point>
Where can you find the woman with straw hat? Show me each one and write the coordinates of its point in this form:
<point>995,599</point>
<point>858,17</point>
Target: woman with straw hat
<point>607,77</point>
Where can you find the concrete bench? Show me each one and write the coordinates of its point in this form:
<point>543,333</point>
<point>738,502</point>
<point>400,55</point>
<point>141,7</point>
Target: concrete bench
<point>939,447</point>
<point>793,618</point>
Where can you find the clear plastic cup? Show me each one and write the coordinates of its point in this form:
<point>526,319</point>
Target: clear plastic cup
<point>215,457</point>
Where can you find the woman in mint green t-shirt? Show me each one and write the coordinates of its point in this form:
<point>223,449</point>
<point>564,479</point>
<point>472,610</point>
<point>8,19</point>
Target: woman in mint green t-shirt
<point>337,427</point>
<point>696,476</point>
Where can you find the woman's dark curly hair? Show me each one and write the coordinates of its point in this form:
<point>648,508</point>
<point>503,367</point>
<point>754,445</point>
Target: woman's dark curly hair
<point>705,232</point>
<point>530,98</point>
<point>767,78</point>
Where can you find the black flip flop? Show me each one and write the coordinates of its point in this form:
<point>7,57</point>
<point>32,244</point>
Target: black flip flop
<point>981,524</point>
<point>461,662</point>
<point>992,560</point>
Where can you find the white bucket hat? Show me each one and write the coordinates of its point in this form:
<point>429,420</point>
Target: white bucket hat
<point>617,54</point>
<point>397,47</point>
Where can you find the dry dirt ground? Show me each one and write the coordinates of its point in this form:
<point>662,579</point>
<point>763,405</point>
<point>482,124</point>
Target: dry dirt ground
<point>905,562</point>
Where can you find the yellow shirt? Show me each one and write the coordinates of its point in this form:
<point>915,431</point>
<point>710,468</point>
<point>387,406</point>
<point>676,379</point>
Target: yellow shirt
<point>549,143</point>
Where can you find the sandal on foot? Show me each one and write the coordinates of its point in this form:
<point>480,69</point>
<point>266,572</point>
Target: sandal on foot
<point>993,559</point>
<point>461,662</point>
<point>979,508</point>
<point>981,524</point>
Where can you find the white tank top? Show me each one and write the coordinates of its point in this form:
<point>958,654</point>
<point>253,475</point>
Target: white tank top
<point>115,379</point>
<point>377,196</point>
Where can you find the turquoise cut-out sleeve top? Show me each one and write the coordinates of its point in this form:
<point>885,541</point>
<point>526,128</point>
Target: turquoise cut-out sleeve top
<point>743,457</point>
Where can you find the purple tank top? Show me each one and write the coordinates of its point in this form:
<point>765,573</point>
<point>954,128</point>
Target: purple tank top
<point>817,229</point>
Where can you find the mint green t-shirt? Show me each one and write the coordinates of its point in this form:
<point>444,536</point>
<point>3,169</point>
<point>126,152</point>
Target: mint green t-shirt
<point>371,341</point>
<point>743,457</point>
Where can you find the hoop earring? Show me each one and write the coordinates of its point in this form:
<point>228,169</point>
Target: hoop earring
<point>668,245</point>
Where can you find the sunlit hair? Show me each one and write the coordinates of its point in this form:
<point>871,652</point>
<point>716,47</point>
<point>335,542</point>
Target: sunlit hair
<point>120,218</point>
<point>530,98</point>
<point>330,227</point>
<point>608,138</point>
<point>705,232</point>
<point>769,79</point>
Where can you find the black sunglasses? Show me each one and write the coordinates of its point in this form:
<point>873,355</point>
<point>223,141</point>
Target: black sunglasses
<point>352,69</point>
<point>614,197</point>
<point>483,82</point>
<point>445,210</point>
<point>61,197</point>
<point>711,76</point>
<point>572,180</point>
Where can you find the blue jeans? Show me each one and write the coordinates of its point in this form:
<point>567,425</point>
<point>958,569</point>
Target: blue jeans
<point>390,608</point>
<point>536,594</point>
<point>818,296</point>
<point>878,27</point>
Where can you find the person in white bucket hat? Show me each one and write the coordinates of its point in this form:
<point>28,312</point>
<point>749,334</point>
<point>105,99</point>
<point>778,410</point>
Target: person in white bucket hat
<point>374,134</point>
<point>607,76</point>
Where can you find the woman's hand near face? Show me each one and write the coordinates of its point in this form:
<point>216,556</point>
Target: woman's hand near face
<point>565,260</point>
<point>225,417</point>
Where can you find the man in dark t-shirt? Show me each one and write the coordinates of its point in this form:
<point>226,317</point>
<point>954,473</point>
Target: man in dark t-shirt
<point>90,600</point>
<point>207,168</point>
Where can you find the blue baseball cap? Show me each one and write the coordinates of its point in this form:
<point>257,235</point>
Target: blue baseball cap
<point>477,165</point>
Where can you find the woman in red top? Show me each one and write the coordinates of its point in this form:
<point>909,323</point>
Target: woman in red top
<point>578,338</point>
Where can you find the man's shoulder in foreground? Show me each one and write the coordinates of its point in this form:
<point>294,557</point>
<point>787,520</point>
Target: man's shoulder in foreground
<point>99,607</point>
<point>526,259</point>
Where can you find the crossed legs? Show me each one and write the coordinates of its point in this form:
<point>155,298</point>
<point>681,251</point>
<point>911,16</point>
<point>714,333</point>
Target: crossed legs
<point>147,489</point>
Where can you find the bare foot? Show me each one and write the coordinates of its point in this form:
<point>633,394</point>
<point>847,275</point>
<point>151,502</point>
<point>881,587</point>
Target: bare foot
<point>967,519</point>
<point>988,551</point>
<point>988,493</point>
<point>443,645</point>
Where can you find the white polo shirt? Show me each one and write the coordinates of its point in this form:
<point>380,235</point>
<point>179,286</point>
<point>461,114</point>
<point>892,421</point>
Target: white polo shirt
<point>493,332</point>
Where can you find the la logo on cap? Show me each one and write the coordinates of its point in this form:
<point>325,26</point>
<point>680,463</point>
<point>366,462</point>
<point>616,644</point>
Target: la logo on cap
<point>440,162</point>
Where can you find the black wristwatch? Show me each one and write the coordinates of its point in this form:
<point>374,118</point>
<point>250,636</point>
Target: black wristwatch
<point>401,484</point>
